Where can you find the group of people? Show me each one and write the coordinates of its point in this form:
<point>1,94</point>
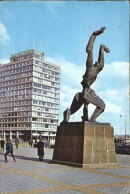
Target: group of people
<point>9,149</point>
<point>2,143</point>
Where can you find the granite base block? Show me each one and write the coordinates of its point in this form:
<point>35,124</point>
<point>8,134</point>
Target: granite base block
<point>84,145</point>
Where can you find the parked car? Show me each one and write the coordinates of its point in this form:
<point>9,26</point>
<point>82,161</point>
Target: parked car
<point>127,144</point>
<point>119,145</point>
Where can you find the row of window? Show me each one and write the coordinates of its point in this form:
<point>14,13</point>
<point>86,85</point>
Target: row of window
<point>14,120</point>
<point>28,102</point>
<point>43,64</point>
<point>22,92</point>
<point>17,103</point>
<point>17,70</point>
<point>41,125</point>
<point>55,95</point>
<point>26,125</point>
<point>45,70</point>
<point>44,81</point>
<point>28,119</point>
<point>17,114</point>
<point>14,109</point>
<point>14,98</point>
<point>16,87</point>
<point>20,102</point>
<point>25,77</point>
<point>43,103</point>
<point>16,125</point>
<point>45,115</point>
<point>16,65</point>
<point>14,93</point>
<point>38,111</point>
<point>44,109</point>
<point>42,86</point>
<point>45,98</point>
<point>17,81</point>
<point>24,73</point>
<point>28,116</point>
<point>43,76</point>
<point>17,76</point>
<point>25,96</point>
<point>25,63</point>
<point>28,79</point>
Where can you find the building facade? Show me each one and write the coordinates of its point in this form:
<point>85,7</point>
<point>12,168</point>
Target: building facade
<point>29,97</point>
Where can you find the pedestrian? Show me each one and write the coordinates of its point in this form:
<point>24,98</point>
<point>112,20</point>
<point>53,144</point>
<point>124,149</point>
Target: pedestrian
<point>2,144</point>
<point>40,146</point>
<point>9,149</point>
<point>30,142</point>
<point>16,142</point>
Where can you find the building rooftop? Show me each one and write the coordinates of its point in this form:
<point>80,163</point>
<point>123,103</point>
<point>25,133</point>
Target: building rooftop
<point>27,54</point>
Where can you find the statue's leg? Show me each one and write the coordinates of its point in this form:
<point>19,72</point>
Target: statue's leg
<point>98,102</point>
<point>99,109</point>
<point>85,112</point>
<point>76,104</point>
<point>96,113</point>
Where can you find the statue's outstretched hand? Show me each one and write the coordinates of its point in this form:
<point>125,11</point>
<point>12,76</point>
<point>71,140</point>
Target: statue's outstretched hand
<point>98,32</point>
<point>102,29</point>
<point>107,50</point>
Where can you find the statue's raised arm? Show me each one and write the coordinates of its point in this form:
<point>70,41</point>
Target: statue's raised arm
<point>89,47</point>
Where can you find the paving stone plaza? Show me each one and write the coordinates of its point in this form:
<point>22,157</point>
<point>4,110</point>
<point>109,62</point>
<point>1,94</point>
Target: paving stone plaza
<point>28,175</point>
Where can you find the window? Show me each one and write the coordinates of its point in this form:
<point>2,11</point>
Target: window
<point>46,109</point>
<point>37,85</point>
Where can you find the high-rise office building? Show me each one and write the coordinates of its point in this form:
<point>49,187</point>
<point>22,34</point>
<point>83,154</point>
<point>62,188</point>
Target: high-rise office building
<point>29,96</point>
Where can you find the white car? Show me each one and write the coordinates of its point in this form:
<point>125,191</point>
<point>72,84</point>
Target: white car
<point>127,144</point>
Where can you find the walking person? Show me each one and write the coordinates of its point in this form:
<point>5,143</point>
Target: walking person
<point>40,147</point>
<point>9,149</point>
<point>2,144</point>
<point>16,142</point>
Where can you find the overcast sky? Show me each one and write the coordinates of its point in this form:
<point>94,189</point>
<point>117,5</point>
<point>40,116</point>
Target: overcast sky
<point>64,29</point>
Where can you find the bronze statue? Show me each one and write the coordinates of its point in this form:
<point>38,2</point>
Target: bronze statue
<point>88,95</point>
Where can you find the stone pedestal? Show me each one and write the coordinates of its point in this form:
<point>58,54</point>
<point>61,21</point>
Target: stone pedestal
<point>86,145</point>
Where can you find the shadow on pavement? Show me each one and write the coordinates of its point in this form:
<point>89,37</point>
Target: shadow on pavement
<point>28,158</point>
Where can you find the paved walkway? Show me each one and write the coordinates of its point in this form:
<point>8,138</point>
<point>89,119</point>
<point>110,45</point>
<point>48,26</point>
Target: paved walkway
<point>28,175</point>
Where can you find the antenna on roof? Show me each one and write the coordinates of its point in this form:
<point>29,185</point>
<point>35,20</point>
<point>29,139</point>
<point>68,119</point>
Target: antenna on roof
<point>33,43</point>
<point>41,46</point>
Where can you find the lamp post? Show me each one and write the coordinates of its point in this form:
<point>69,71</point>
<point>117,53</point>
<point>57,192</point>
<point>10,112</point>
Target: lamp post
<point>125,116</point>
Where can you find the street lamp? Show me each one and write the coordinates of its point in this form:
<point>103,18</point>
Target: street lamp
<point>125,124</point>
